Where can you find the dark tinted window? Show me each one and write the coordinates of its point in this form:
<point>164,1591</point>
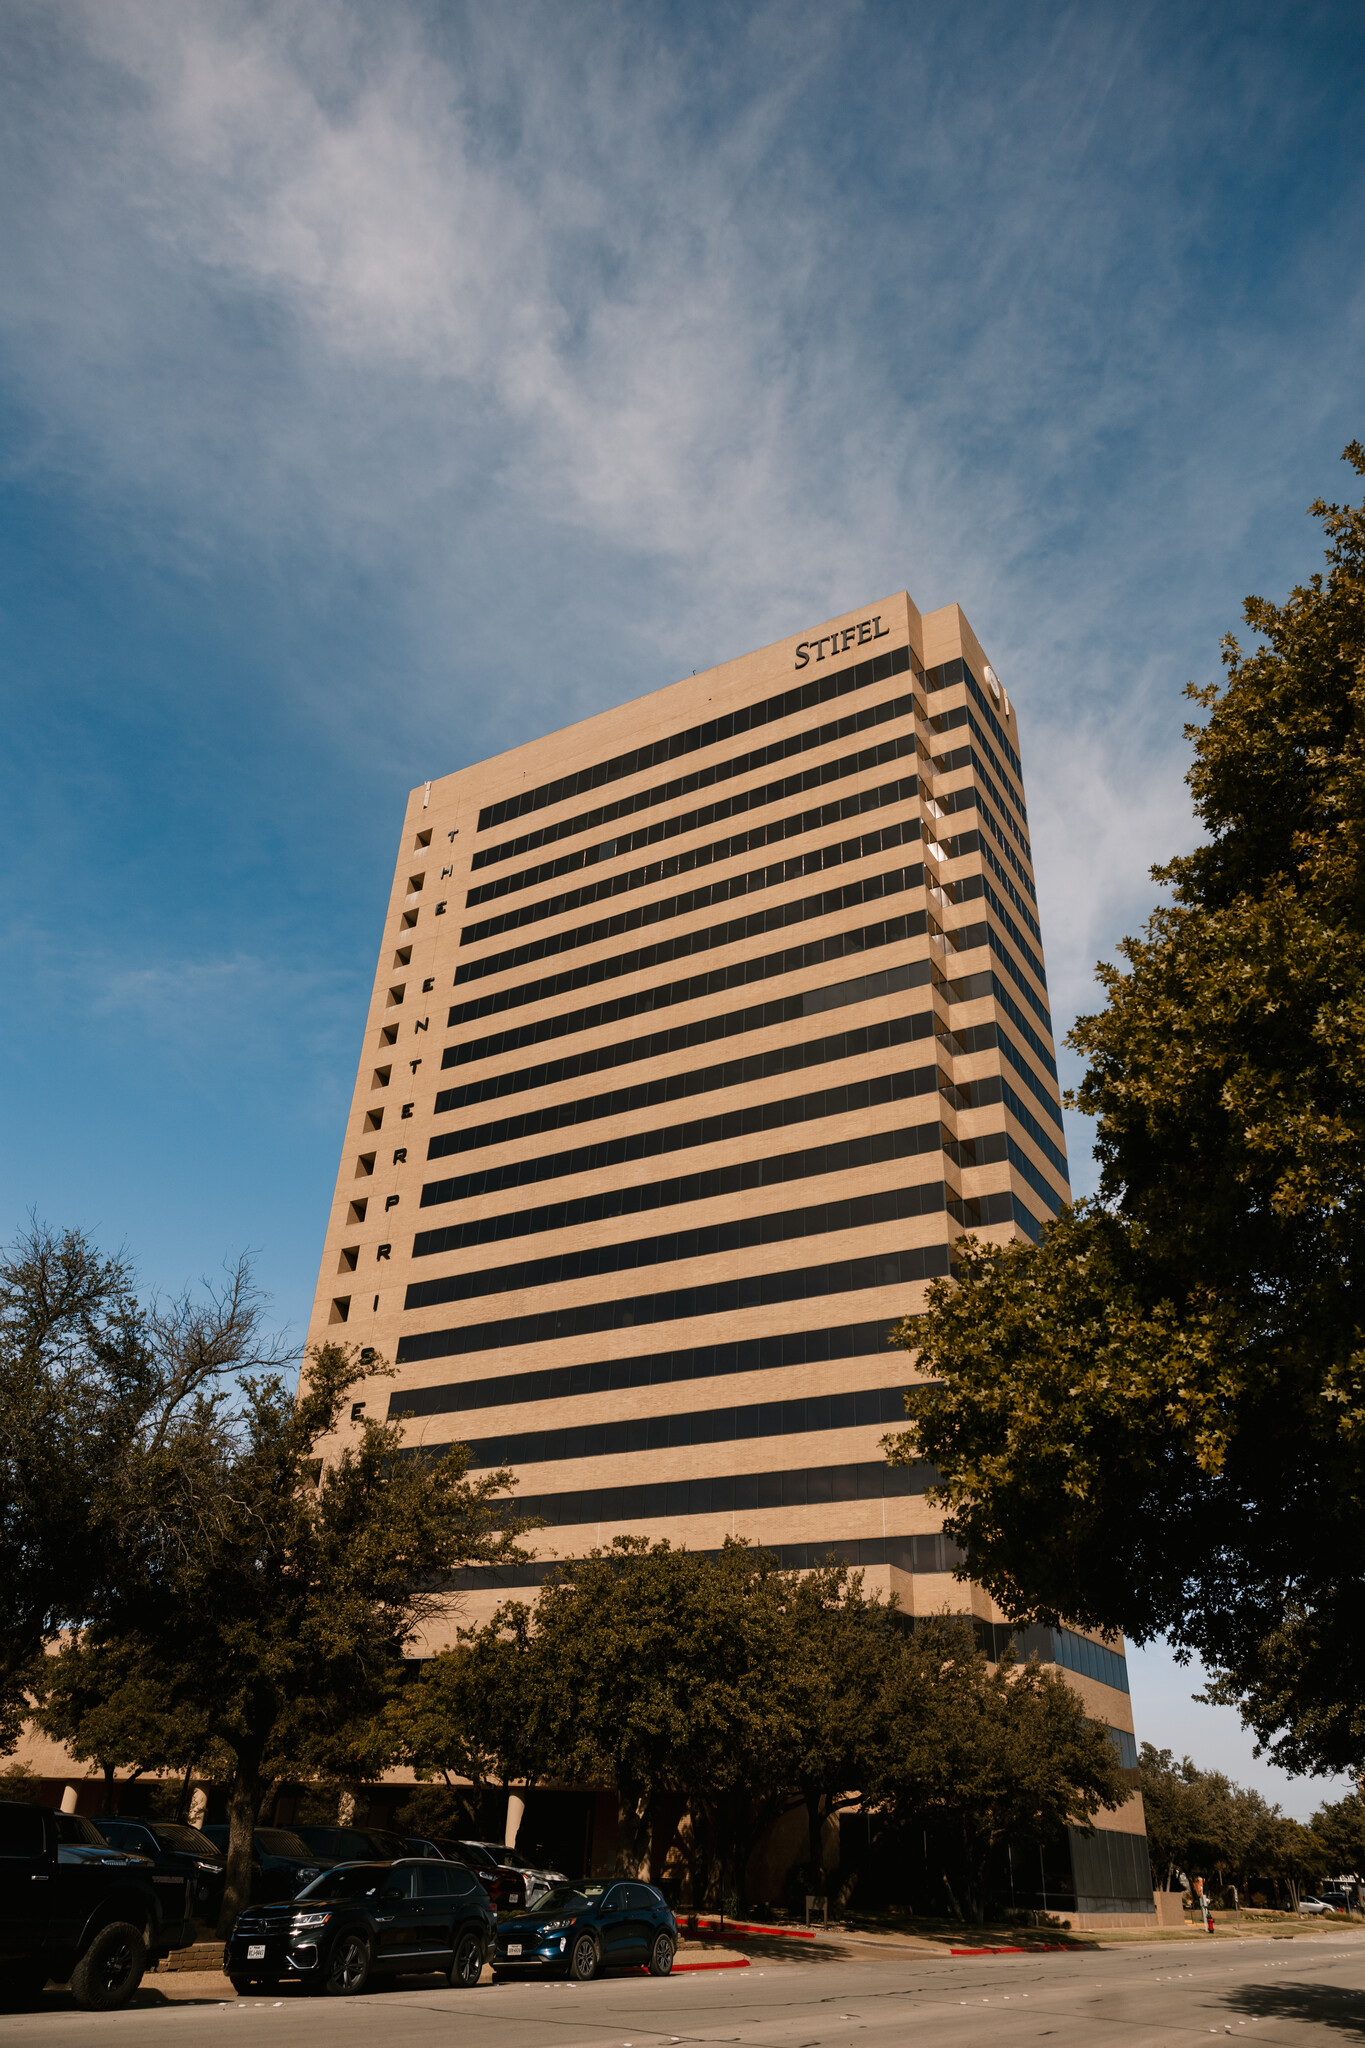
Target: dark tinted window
<point>444,1881</point>
<point>347,1844</point>
<point>402,1878</point>
<point>639,1896</point>
<point>183,1840</point>
<point>126,1834</point>
<point>71,1827</point>
<point>281,1842</point>
<point>568,1897</point>
<point>21,1831</point>
<point>352,1881</point>
<point>616,1899</point>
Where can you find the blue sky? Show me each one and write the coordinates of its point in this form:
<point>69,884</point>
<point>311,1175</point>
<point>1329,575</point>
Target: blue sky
<point>380,387</point>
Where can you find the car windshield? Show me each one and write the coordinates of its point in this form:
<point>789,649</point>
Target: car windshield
<point>485,1851</point>
<point>73,1830</point>
<point>562,1898</point>
<point>284,1842</point>
<point>185,1841</point>
<point>352,1881</point>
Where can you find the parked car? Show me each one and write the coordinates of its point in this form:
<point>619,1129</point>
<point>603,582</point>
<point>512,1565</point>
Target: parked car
<point>1316,1905</point>
<point>350,1845</point>
<point>579,1930</point>
<point>505,1886</point>
<point>539,1877</point>
<point>419,1845</point>
<point>75,1909</point>
<point>170,1845</point>
<point>366,1920</point>
<point>281,1862</point>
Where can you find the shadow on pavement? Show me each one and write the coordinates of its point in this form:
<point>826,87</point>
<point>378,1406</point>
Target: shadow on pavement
<point>1319,2005</point>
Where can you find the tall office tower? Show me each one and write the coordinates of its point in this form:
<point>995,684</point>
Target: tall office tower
<point>700,1029</point>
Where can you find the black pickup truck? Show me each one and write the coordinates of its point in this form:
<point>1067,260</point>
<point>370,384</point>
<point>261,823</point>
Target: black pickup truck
<point>74,1909</point>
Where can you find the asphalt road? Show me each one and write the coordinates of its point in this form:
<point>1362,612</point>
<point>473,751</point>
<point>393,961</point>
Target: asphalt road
<point>1174,1995</point>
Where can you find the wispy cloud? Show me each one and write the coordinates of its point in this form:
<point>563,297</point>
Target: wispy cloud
<point>598,345</point>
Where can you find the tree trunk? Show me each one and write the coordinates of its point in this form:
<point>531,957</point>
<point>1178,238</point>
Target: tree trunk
<point>244,1804</point>
<point>815,1828</point>
<point>109,1805</point>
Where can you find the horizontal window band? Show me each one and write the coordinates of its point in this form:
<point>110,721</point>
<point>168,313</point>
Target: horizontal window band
<point>994,1146</point>
<point>970,798</point>
<point>734,931</point>
<point>970,987</point>
<point>786,704</point>
<point>743,801</point>
<point>972,886</point>
<point>710,894</point>
<point>987,1037</point>
<point>772,833</point>
<point>733,1493</point>
<point>666,1088</point>
<point>705,1241</point>
<point>867,1553</point>
<point>994,1088</point>
<point>965,938</point>
<point>713,1184</point>
<point>951,721</point>
<point>773,1353</point>
<point>870,1407</point>
<point>966,843</point>
<point>949,672</point>
<point>968,757</point>
<point>682,1304</point>
<point>862,988</point>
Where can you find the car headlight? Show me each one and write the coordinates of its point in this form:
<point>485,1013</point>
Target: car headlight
<point>309,1920</point>
<point>554,1926</point>
<point>210,1866</point>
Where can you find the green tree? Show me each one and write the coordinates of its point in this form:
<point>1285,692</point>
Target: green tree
<point>840,1645</point>
<point>479,1712</point>
<point>1153,1421</point>
<point>278,1579</point>
<point>91,1384</point>
<point>977,1754</point>
<point>112,1706</point>
<point>1338,1830</point>
<point>665,1672</point>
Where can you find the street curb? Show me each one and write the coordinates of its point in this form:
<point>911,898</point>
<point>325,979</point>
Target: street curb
<point>734,1963</point>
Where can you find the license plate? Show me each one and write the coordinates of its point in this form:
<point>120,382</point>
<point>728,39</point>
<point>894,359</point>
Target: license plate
<point>514,1948</point>
<point>256,1952</point>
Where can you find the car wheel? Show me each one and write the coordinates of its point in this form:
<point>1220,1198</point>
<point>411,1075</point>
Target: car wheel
<point>347,1970</point>
<point>585,1959</point>
<point>111,1969</point>
<point>466,1965</point>
<point>661,1956</point>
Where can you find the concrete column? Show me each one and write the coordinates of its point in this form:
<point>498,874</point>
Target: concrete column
<point>346,1809</point>
<point>69,1798</point>
<point>199,1806</point>
<point>516,1807</point>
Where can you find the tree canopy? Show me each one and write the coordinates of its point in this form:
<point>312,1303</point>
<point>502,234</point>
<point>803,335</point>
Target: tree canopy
<point>1154,1420</point>
<point>276,1580</point>
<point>93,1385</point>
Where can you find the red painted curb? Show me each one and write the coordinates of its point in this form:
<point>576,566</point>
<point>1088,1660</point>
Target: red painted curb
<point>1034,1948</point>
<point>749,1927</point>
<point>732,1963</point>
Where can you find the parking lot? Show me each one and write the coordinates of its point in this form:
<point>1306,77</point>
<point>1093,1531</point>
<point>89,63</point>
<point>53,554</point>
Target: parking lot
<point>1157,1995</point>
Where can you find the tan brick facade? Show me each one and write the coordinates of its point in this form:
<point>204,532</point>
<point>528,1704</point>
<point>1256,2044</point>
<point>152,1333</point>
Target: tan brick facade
<point>879,972</point>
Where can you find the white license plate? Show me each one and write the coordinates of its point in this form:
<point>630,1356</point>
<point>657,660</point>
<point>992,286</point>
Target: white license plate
<point>255,1952</point>
<point>514,1948</point>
